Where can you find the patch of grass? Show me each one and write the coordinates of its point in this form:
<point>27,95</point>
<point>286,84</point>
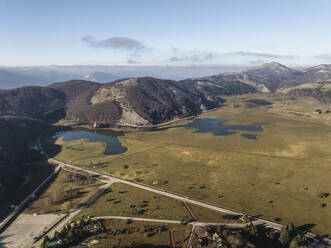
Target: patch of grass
<point>278,175</point>
<point>140,234</point>
<point>65,192</point>
<point>124,200</point>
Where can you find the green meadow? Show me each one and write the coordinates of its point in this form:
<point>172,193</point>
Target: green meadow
<point>279,176</point>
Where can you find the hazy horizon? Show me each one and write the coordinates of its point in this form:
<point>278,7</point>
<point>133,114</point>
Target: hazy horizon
<point>164,33</point>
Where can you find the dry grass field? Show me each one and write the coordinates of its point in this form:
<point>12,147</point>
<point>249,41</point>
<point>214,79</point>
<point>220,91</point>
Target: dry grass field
<point>280,175</point>
<point>128,201</point>
<point>65,192</point>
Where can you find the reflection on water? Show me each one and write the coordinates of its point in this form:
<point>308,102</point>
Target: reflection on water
<point>211,125</point>
<point>113,147</point>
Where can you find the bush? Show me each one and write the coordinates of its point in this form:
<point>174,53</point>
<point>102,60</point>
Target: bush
<point>284,237</point>
<point>225,234</point>
<point>296,241</point>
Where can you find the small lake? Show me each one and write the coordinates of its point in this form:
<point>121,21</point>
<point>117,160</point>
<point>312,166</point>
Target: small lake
<point>113,147</point>
<point>211,125</point>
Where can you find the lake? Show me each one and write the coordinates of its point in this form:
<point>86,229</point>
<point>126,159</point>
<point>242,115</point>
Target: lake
<point>211,125</point>
<point>113,147</point>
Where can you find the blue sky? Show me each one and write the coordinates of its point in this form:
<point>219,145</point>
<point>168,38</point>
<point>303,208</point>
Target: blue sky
<point>158,32</point>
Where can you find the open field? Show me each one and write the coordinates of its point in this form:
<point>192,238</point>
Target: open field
<point>21,232</point>
<point>140,234</point>
<point>128,201</point>
<point>279,176</point>
<point>65,192</point>
<point>124,200</point>
<point>287,107</point>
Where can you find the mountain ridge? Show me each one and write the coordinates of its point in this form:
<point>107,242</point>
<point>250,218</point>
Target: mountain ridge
<point>146,101</point>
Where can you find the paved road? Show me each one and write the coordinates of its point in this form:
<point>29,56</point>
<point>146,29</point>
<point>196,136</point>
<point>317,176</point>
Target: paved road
<point>264,222</point>
<point>137,219</point>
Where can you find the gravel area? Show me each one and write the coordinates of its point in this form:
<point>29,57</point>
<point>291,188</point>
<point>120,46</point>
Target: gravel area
<point>22,231</point>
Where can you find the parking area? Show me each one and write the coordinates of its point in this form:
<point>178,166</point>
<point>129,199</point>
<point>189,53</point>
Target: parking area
<point>22,231</point>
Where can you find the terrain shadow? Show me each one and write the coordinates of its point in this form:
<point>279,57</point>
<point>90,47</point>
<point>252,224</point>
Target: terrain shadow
<point>148,246</point>
<point>305,227</point>
<point>3,244</point>
<point>53,151</point>
<point>41,191</point>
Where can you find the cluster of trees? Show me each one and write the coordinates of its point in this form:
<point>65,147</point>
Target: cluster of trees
<point>60,196</point>
<point>19,166</point>
<point>32,102</point>
<point>72,233</point>
<point>22,167</point>
<point>14,166</point>
<point>223,234</point>
<point>79,178</point>
<point>320,111</point>
<point>64,196</point>
<point>288,237</point>
<point>222,238</point>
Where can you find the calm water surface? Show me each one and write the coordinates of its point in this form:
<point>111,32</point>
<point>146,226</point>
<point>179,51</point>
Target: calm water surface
<point>211,125</point>
<point>113,147</point>
<point>203,125</point>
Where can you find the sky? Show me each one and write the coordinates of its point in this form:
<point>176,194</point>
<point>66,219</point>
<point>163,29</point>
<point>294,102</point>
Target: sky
<point>159,32</point>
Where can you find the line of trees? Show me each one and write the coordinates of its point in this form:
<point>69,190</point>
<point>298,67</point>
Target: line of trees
<point>288,237</point>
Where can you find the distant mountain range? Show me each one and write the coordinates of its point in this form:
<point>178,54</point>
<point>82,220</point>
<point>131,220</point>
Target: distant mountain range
<point>13,77</point>
<point>144,101</point>
<point>274,77</point>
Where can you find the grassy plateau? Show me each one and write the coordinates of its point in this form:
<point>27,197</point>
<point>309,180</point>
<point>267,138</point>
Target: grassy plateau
<point>281,175</point>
